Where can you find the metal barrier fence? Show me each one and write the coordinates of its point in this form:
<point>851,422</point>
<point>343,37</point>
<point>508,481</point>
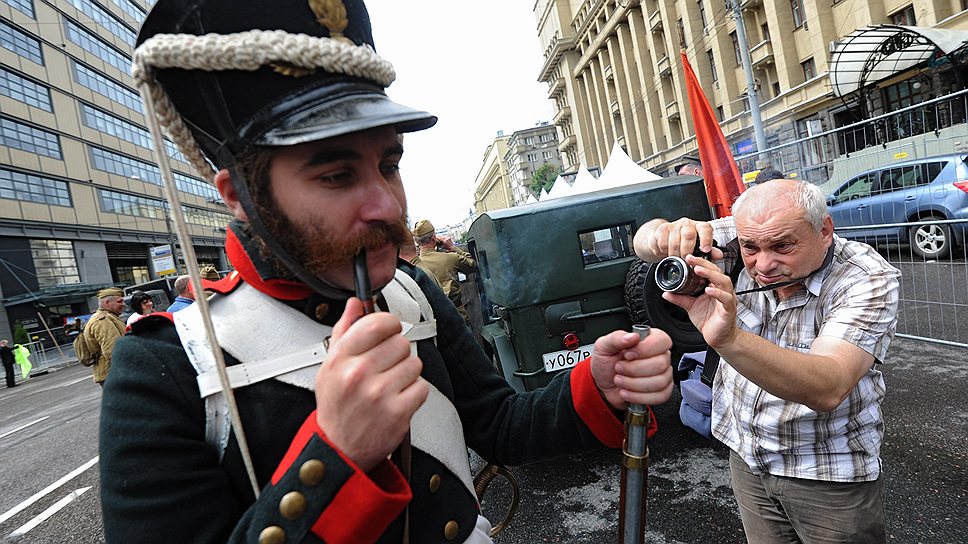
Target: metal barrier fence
<point>934,289</point>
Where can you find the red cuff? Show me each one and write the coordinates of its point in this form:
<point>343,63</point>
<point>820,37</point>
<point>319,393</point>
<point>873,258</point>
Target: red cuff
<point>596,412</point>
<point>364,506</point>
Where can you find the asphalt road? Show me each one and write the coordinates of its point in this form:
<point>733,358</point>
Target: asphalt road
<point>569,500</point>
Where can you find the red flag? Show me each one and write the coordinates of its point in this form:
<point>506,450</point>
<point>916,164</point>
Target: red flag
<point>723,182</point>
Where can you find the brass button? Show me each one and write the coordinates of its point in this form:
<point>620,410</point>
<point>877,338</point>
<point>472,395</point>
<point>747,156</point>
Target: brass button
<point>292,505</point>
<point>434,483</point>
<point>322,310</point>
<point>450,530</point>
<point>312,472</point>
<point>272,535</point>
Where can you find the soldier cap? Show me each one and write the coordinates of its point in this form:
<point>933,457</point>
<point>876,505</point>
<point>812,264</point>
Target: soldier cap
<point>110,292</point>
<point>422,228</point>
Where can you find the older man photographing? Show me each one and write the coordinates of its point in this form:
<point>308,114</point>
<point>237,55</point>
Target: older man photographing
<point>797,397</point>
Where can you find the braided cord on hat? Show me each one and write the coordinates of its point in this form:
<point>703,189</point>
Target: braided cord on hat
<point>247,51</point>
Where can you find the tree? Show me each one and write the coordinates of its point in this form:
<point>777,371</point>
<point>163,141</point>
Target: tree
<point>543,178</point>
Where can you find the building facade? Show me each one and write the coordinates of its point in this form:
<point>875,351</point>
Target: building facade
<point>614,72</point>
<point>492,190</point>
<point>81,203</point>
<point>529,150</point>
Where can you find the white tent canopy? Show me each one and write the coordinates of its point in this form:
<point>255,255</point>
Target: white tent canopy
<point>874,53</point>
<point>584,182</point>
<point>621,170</point>
<point>559,189</point>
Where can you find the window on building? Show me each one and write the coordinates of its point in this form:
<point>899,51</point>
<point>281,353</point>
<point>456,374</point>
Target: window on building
<point>96,46</point>
<point>532,157</point>
<point>206,218</point>
<point>24,90</point>
<point>29,139</point>
<point>115,163</point>
<point>905,17</point>
<point>196,186</point>
<point>798,16</point>
<point>702,15</point>
<point>735,40</point>
<point>104,18</point>
<point>115,126</point>
<point>131,9</point>
<point>32,188</point>
<point>712,64</point>
<point>720,114</point>
<point>765,32</point>
<point>105,86</point>
<point>682,33</point>
<point>809,69</point>
<point>776,89</point>
<point>548,155</point>
<point>54,262</point>
<point>21,43</point>
<point>125,204</point>
<point>23,6</point>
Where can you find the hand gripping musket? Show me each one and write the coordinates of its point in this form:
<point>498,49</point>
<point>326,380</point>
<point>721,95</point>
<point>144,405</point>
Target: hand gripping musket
<point>634,497</point>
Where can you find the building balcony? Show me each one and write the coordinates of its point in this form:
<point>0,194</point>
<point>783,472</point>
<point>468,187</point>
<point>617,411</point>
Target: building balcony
<point>556,87</point>
<point>761,54</point>
<point>655,21</point>
<point>568,142</point>
<point>561,115</point>
<point>750,3</point>
<point>613,107</point>
<point>609,76</point>
<point>672,110</point>
<point>664,67</point>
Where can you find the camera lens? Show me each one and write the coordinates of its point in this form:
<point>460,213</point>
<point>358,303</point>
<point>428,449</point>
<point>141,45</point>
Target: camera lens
<point>673,275</point>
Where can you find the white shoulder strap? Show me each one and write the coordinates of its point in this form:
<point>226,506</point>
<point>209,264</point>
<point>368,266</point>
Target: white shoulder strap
<point>288,347</point>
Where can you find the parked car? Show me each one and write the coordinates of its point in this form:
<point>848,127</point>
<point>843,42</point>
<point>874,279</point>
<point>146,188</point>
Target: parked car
<point>926,191</point>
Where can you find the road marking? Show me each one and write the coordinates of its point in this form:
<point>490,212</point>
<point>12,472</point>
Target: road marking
<point>77,380</point>
<point>23,426</point>
<point>37,496</point>
<point>42,517</point>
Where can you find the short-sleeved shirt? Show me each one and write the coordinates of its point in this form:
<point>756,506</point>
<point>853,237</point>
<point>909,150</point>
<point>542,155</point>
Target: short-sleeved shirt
<point>854,298</point>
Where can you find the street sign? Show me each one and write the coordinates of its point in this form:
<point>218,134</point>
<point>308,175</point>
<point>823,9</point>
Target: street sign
<point>163,260</point>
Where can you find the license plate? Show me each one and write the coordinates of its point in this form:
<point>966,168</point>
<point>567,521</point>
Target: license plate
<point>566,358</point>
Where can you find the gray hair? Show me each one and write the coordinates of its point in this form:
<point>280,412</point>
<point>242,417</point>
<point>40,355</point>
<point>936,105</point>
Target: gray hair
<point>425,239</point>
<point>181,285</point>
<point>770,195</point>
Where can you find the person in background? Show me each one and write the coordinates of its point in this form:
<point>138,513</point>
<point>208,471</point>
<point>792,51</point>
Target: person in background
<point>797,395</point>
<point>360,434</point>
<point>183,294</point>
<point>22,356</point>
<point>767,174</point>
<point>209,273</point>
<point>689,165</point>
<point>141,305</point>
<point>104,328</point>
<point>443,260</point>
<point>6,355</point>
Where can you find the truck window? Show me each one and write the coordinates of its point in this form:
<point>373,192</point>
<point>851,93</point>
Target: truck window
<point>605,244</point>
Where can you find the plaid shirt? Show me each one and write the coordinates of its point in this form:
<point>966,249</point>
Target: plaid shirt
<point>854,298</point>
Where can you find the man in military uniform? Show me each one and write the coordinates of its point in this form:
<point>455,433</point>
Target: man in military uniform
<point>441,258</point>
<point>370,445</point>
<point>689,165</point>
<point>104,329</point>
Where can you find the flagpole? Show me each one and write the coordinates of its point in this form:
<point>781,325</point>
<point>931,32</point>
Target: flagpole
<point>763,159</point>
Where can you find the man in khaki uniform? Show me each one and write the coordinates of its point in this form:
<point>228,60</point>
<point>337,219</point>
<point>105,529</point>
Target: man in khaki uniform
<point>442,259</point>
<point>104,328</point>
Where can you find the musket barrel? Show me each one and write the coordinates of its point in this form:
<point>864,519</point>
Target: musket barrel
<point>634,498</point>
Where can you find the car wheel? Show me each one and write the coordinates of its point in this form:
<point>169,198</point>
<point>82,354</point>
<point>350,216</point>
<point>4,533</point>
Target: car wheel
<point>931,241</point>
<point>644,302</point>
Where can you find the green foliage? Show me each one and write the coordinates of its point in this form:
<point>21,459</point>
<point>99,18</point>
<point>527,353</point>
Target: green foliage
<point>543,178</point>
<point>20,335</point>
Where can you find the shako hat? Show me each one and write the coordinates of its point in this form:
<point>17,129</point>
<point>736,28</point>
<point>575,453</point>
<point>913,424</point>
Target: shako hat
<point>266,72</point>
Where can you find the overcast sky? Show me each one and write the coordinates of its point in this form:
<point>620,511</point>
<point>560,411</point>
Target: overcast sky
<point>473,65</point>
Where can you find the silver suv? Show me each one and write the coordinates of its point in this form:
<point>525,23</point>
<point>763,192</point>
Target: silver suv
<point>923,202</point>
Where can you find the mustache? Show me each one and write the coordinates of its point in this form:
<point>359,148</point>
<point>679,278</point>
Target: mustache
<point>322,255</point>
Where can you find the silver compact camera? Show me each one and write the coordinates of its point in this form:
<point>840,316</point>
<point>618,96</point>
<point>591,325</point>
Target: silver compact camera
<point>673,275</point>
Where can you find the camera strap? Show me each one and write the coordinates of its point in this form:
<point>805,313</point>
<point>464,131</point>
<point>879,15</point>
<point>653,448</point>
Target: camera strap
<point>712,357</point>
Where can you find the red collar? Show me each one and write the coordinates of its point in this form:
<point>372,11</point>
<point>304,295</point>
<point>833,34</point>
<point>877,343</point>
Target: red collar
<point>246,270</point>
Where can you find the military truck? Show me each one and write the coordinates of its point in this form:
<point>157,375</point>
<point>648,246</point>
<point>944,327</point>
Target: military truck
<point>554,276</point>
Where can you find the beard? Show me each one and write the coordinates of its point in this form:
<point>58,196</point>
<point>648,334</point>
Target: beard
<point>317,248</point>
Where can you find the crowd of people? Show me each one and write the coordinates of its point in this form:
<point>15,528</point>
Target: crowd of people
<point>360,433</point>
